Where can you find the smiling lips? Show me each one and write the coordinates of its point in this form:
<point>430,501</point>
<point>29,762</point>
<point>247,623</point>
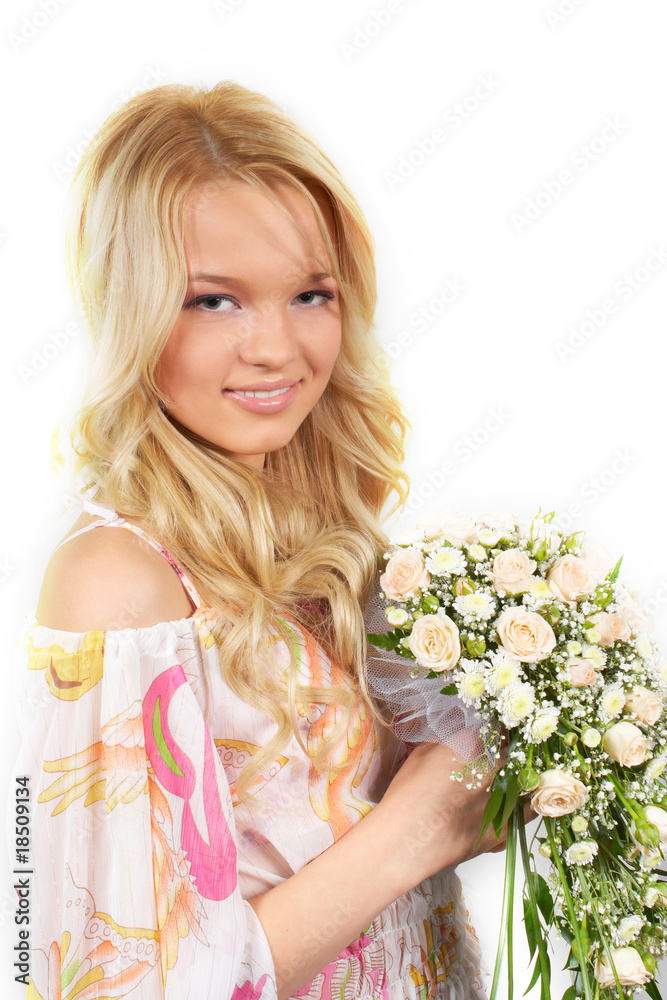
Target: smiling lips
<point>262,399</point>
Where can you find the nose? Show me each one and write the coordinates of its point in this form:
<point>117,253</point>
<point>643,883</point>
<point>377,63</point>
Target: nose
<point>269,337</point>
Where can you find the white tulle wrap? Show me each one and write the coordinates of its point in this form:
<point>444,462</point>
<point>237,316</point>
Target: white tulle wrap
<point>421,714</point>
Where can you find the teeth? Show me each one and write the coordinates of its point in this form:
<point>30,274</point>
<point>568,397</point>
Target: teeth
<point>260,393</point>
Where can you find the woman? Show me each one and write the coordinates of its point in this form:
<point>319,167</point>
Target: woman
<point>217,808</point>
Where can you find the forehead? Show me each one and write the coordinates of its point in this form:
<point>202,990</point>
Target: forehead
<point>233,220</point>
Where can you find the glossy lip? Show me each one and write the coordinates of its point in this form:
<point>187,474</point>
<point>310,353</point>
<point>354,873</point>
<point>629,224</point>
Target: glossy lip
<point>278,383</point>
<point>273,404</point>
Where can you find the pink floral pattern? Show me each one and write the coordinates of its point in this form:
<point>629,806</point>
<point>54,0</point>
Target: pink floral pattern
<point>133,747</point>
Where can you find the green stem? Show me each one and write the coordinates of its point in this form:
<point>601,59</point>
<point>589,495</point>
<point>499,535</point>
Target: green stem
<point>542,956</point>
<point>505,935</point>
<point>555,857</point>
<point>602,932</point>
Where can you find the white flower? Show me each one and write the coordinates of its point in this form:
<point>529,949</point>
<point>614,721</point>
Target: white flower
<point>629,928</point>
<point>579,824</point>
<point>544,724</point>
<point>477,552</point>
<point>612,701</point>
<point>540,590</point>
<point>591,737</point>
<point>593,653</point>
<point>505,671</point>
<point>471,682</point>
<point>445,561</point>
<point>516,701</point>
<point>489,536</point>
<point>645,647</point>
<point>396,616</point>
<point>581,853</point>
<point>477,604</point>
<point>573,647</point>
<point>660,673</point>
<point>654,768</point>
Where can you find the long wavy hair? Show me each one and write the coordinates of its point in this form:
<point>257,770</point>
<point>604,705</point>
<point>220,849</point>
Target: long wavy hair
<point>304,534</point>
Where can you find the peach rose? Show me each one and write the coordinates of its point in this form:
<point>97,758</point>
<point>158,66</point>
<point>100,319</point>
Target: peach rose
<point>645,704</point>
<point>459,529</point>
<point>405,574</point>
<point>435,642</point>
<point>513,571</point>
<point>658,816</point>
<point>525,634</point>
<point>636,615</point>
<point>582,673</point>
<point>612,628</point>
<point>597,559</point>
<point>570,578</point>
<point>630,969</point>
<point>558,794</point>
<point>626,744</point>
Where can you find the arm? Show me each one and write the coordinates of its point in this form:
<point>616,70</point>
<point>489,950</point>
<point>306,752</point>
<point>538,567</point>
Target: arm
<point>424,823</point>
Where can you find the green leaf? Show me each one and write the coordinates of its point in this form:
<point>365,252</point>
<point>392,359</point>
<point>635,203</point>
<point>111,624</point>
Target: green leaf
<point>570,994</point>
<point>492,806</point>
<point>450,689</point>
<point>613,576</point>
<point>652,990</point>
<point>511,796</point>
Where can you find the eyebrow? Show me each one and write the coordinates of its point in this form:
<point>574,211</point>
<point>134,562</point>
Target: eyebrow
<point>218,279</point>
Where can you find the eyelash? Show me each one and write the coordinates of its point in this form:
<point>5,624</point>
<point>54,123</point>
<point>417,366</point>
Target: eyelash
<point>327,296</point>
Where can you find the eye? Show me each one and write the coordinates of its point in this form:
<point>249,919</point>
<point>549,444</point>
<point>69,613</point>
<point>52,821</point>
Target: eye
<point>323,293</point>
<point>210,303</point>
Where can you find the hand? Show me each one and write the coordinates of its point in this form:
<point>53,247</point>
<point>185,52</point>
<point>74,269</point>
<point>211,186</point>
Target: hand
<point>437,820</point>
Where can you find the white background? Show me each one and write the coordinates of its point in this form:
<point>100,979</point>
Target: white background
<point>503,416</point>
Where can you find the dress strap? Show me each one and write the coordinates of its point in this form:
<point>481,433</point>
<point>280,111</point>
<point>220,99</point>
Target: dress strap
<point>109,518</point>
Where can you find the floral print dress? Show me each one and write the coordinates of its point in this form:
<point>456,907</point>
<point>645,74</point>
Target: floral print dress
<point>144,858</point>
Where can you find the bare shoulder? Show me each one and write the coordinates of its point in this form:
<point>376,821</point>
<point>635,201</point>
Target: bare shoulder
<point>109,578</point>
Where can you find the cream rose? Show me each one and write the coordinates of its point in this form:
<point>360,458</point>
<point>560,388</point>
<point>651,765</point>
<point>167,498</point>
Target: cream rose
<point>525,634</point>
<point>512,571</point>
<point>612,628</point>
<point>570,578</point>
<point>459,529</point>
<point>582,673</point>
<point>405,574</point>
<point>626,744</point>
<point>558,794</point>
<point>658,816</point>
<point>645,704</point>
<point>630,969</point>
<point>435,642</point>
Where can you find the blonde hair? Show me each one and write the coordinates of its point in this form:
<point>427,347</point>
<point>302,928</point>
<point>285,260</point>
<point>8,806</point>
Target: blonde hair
<point>307,528</point>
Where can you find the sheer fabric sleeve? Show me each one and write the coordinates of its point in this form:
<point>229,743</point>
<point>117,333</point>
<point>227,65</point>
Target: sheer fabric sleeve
<point>133,854</point>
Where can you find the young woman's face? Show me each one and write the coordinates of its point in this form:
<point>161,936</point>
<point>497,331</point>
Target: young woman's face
<point>257,315</point>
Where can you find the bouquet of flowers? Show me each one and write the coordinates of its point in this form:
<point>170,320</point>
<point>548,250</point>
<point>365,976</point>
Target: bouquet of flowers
<point>537,637</point>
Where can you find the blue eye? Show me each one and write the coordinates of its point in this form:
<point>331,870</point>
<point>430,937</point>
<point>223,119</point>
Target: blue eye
<point>211,303</point>
<point>326,295</point>
<point>208,299</point>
